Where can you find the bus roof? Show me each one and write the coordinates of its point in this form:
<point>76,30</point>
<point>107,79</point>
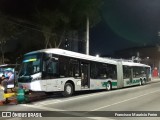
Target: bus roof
<point>74,55</point>
<point>85,57</point>
<point>134,64</point>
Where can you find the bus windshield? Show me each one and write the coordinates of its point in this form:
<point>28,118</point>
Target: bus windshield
<point>31,65</point>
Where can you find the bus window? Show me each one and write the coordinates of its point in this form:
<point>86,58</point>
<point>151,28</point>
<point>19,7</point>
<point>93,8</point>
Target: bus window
<point>63,66</point>
<point>51,66</point>
<point>74,68</point>
<point>31,65</point>
<point>111,71</point>
<point>68,67</point>
<point>94,71</point>
<point>126,72</point>
<point>139,72</point>
<point>101,70</point>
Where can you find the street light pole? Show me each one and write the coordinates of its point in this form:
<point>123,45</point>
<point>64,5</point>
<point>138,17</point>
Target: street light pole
<point>87,36</point>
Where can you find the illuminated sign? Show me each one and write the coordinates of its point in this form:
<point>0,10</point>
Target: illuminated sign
<point>30,60</point>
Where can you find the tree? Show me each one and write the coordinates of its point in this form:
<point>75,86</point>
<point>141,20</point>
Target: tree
<point>49,22</point>
<point>67,15</point>
<point>7,32</point>
<point>85,13</point>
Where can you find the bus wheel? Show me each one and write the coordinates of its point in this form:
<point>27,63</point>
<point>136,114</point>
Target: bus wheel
<point>140,83</point>
<point>144,81</point>
<point>68,90</point>
<point>109,86</point>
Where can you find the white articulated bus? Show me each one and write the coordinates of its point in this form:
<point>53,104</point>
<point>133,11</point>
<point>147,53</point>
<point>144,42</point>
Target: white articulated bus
<point>53,70</point>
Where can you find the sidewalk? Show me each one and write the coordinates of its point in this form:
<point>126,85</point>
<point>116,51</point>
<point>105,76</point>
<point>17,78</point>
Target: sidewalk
<point>157,79</point>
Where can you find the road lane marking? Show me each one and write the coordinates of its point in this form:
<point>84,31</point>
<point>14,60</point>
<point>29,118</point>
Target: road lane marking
<point>125,100</point>
<point>47,102</point>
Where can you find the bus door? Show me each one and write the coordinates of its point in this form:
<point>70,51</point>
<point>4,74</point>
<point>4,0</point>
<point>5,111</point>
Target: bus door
<point>147,74</point>
<point>85,75</point>
<point>131,76</point>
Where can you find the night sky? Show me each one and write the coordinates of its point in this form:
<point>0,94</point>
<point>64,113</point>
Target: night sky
<point>125,24</point>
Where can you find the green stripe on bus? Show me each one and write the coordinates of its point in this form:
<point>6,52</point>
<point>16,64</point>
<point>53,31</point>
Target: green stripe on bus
<point>114,83</point>
<point>104,84</point>
<point>135,81</point>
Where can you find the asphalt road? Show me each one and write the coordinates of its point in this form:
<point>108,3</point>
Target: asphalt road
<point>86,105</point>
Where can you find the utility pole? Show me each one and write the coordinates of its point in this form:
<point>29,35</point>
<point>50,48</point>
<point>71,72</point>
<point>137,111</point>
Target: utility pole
<point>87,36</point>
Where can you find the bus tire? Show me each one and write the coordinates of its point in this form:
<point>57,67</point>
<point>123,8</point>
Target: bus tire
<point>109,86</point>
<point>144,81</point>
<point>141,82</point>
<point>68,90</point>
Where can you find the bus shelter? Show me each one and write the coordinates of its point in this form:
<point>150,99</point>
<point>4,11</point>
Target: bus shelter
<point>9,71</point>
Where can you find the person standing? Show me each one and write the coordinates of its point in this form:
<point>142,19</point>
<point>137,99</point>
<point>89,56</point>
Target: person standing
<point>4,83</point>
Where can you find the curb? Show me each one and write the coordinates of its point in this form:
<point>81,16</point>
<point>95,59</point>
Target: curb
<point>155,81</point>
